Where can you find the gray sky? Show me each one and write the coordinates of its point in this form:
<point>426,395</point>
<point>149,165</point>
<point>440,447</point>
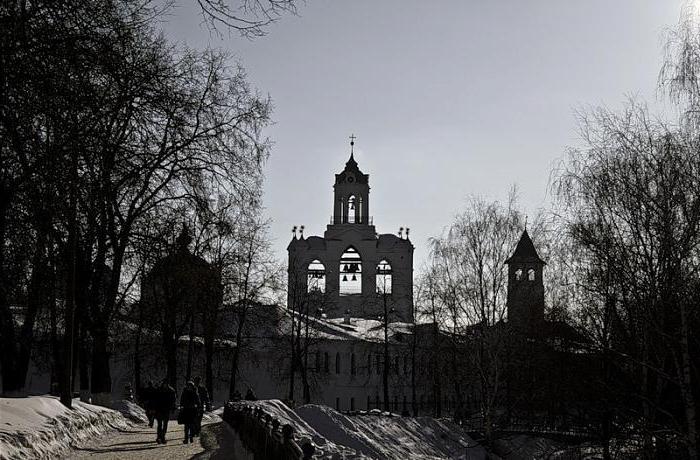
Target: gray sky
<point>447,99</point>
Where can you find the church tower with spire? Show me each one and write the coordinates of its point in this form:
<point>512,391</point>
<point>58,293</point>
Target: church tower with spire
<point>352,271</point>
<point>525,301</point>
<point>351,194</point>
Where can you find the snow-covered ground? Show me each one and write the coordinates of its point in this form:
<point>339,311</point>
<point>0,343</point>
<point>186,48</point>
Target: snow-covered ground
<point>374,435</point>
<point>42,427</point>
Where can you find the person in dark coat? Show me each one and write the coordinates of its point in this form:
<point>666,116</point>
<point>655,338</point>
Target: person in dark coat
<point>205,403</point>
<point>164,401</point>
<point>148,396</point>
<point>249,395</point>
<point>189,409</point>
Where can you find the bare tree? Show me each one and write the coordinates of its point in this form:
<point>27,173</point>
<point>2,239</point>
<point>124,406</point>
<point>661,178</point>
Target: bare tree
<point>634,211</point>
<point>117,125</point>
<point>252,277</point>
<point>464,292</point>
<point>307,300</point>
<point>250,18</point>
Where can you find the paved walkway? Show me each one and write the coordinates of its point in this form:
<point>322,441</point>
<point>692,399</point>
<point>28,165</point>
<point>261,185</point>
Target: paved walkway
<point>217,441</point>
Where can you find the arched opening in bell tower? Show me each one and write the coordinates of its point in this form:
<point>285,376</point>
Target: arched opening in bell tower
<point>353,211</point>
<point>383,278</point>
<point>316,277</point>
<point>350,272</point>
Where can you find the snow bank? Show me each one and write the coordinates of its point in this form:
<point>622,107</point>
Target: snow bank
<point>374,436</point>
<point>41,427</point>
<point>213,416</point>
<point>130,410</point>
<point>303,431</point>
<point>391,436</point>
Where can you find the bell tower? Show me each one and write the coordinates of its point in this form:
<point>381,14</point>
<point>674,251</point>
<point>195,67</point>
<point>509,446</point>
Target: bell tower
<point>351,194</point>
<point>525,301</point>
<point>352,270</point>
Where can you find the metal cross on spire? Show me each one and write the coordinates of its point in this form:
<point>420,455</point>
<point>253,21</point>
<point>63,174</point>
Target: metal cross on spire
<point>352,143</point>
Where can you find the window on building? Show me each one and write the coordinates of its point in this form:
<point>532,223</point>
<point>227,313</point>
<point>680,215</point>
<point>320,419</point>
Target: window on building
<point>316,277</point>
<point>352,209</point>
<point>350,272</point>
<point>325,361</point>
<point>383,277</point>
<point>352,364</point>
<point>337,363</point>
<point>518,274</point>
<point>531,274</point>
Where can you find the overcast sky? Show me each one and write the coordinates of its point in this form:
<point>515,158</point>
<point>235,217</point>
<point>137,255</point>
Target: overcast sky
<point>447,99</point>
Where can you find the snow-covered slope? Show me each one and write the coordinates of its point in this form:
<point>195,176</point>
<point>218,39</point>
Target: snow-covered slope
<point>384,436</point>
<point>130,410</point>
<point>375,435</point>
<point>42,427</point>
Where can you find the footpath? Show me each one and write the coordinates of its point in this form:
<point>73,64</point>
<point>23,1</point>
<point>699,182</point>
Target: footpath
<point>138,442</point>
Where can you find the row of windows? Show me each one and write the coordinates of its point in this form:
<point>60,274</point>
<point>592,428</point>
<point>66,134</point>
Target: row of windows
<point>350,275</point>
<point>397,365</point>
<point>530,274</point>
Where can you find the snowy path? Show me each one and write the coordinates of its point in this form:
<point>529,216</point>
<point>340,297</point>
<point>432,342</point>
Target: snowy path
<point>138,442</point>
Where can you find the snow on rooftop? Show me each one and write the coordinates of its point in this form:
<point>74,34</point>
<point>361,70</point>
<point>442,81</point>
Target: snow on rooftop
<point>370,330</point>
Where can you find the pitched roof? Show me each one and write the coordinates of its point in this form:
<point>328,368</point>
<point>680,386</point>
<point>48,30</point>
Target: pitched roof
<point>351,167</point>
<point>525,251</point>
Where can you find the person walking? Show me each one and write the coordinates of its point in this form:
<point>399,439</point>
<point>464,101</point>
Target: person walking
<point>148,396</point>
<point>164,401</point>
<point>189,408</point>
<point>204,403</point>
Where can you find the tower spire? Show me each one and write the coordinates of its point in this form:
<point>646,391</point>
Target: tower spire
<point>352,145</point>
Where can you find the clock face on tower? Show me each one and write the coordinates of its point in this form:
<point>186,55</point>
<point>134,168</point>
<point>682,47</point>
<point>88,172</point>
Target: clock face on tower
<point>350,178</point>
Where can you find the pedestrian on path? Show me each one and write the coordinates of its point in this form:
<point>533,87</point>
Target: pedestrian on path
<point>189,410</point>
<point>147,400</point>
<point>164,402</point>
<point>204,403</point>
